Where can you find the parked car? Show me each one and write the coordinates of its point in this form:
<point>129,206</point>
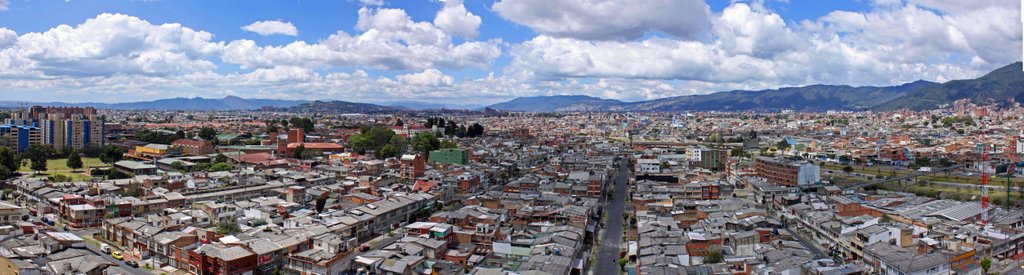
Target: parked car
<point>117,255</point>
<point>105,248</point>
<point>132,264</point>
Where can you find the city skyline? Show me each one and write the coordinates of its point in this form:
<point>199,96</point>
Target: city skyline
<point>487,51</point>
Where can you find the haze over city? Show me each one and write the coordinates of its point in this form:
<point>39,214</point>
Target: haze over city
<point>511,137</point>
<point>487,51</point>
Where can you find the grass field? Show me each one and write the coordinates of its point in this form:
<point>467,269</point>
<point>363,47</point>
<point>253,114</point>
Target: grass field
<point>933,177</point>
<point>59,167</point>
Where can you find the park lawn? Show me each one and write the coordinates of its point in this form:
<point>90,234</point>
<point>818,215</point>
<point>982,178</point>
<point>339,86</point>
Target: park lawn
<point>933,177</point>
<point>60,165</point>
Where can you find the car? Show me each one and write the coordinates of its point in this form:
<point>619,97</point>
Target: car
<point>117,255</point>
<point>105,248</point>
<point>132,264</point>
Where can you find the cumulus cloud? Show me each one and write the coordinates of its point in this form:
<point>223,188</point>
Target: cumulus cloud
<point>7,37</point>
<point>114,44</point>
<point>583,47</point>
<point>754,48</point>
<point>372,2</point>
<point>272,27</point>
<point>609,19</point>
<point>428,77</point>
<point>390,39</point>
<point>454,19</point>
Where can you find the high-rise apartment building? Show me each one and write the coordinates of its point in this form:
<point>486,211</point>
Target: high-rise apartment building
<point>20,137</point>
<point>61,127</point>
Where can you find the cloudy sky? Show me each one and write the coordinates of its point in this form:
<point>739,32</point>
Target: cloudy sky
<point>485,51</point>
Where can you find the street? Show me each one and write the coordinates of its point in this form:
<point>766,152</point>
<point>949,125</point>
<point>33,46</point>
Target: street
<point>813,247</point>
<point>611,241</point>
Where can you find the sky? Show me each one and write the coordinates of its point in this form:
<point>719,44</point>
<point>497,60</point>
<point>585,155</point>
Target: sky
<point>480,52</point>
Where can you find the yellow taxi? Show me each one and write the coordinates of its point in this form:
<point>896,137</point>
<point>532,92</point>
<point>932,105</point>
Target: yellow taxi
<point>117,255</point>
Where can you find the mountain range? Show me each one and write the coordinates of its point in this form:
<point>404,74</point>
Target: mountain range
<point>999,85</point>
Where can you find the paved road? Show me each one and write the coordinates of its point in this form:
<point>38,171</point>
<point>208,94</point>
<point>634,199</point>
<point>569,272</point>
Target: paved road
<point>96,249</point>
<point>818,254</point>
<point>611,242</point>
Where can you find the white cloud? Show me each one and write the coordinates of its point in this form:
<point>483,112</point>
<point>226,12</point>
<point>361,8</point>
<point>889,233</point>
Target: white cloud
<point>372,2</point>
<point>7,37</point>
<point>114,44</point>
<point>390,40</point>
<point>4,4</point>
<point>429,77</point>
<point>454,19</point>
<point>608,19</point>
<point>753,48</point>
<point>272,27</point>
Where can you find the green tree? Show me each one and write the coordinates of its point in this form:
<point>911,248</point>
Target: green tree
<point>844,159</point>
<point>986,263</point>
<point>425,142</point>
<point>388,151</point>
<point>228,227</point>
<point>37,154</point>
<point>207,133</point>
<point>220,167</point>
<point>448,145</point>
<point>111,154</point>
<point>9,162</point>
<point>220,158</point>
<point>74,161</point>
<point>178,166</point>
<point>622,263</point>
<point>847,169</point>
<point>713,256</point>
<point>922,161</point>
<point>782,145</point>
<point>299,151</point>
<point>201,167</point>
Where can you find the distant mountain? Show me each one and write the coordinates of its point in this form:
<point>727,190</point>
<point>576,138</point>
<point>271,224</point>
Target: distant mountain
<point>340,107</point>
<point>806,98</point>
<point>999,85</point>
<point>420,105</point>
<point>190,104</point>
<point>558,103</point>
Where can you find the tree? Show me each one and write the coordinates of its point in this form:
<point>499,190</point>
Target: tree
<point>922,161</point>
<point>713,256</point>
<point>220,167</point>
<point>178,166</point>
<point>299,151</point>
<point>847,169</point>
<point>622,263</point>
<point>220,158</point>
<point>425,142</point>
<point>448,145</point>
<point>37,154</point>
<point>986,263</point>
<point>844,159</point>
<point>111,154</point>
<point>399,122</point>
<point>737,152</point>
<point>388,151</point>
<point>305,123</point>
<point>9,162</point>
<point>228,227</point>
<point>74,161</point>
<point>782,145</point>
<point>202,166</point>
<point>207,133</point>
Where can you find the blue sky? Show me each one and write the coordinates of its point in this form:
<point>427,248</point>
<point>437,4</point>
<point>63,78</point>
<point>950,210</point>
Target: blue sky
<point>481,52</point>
